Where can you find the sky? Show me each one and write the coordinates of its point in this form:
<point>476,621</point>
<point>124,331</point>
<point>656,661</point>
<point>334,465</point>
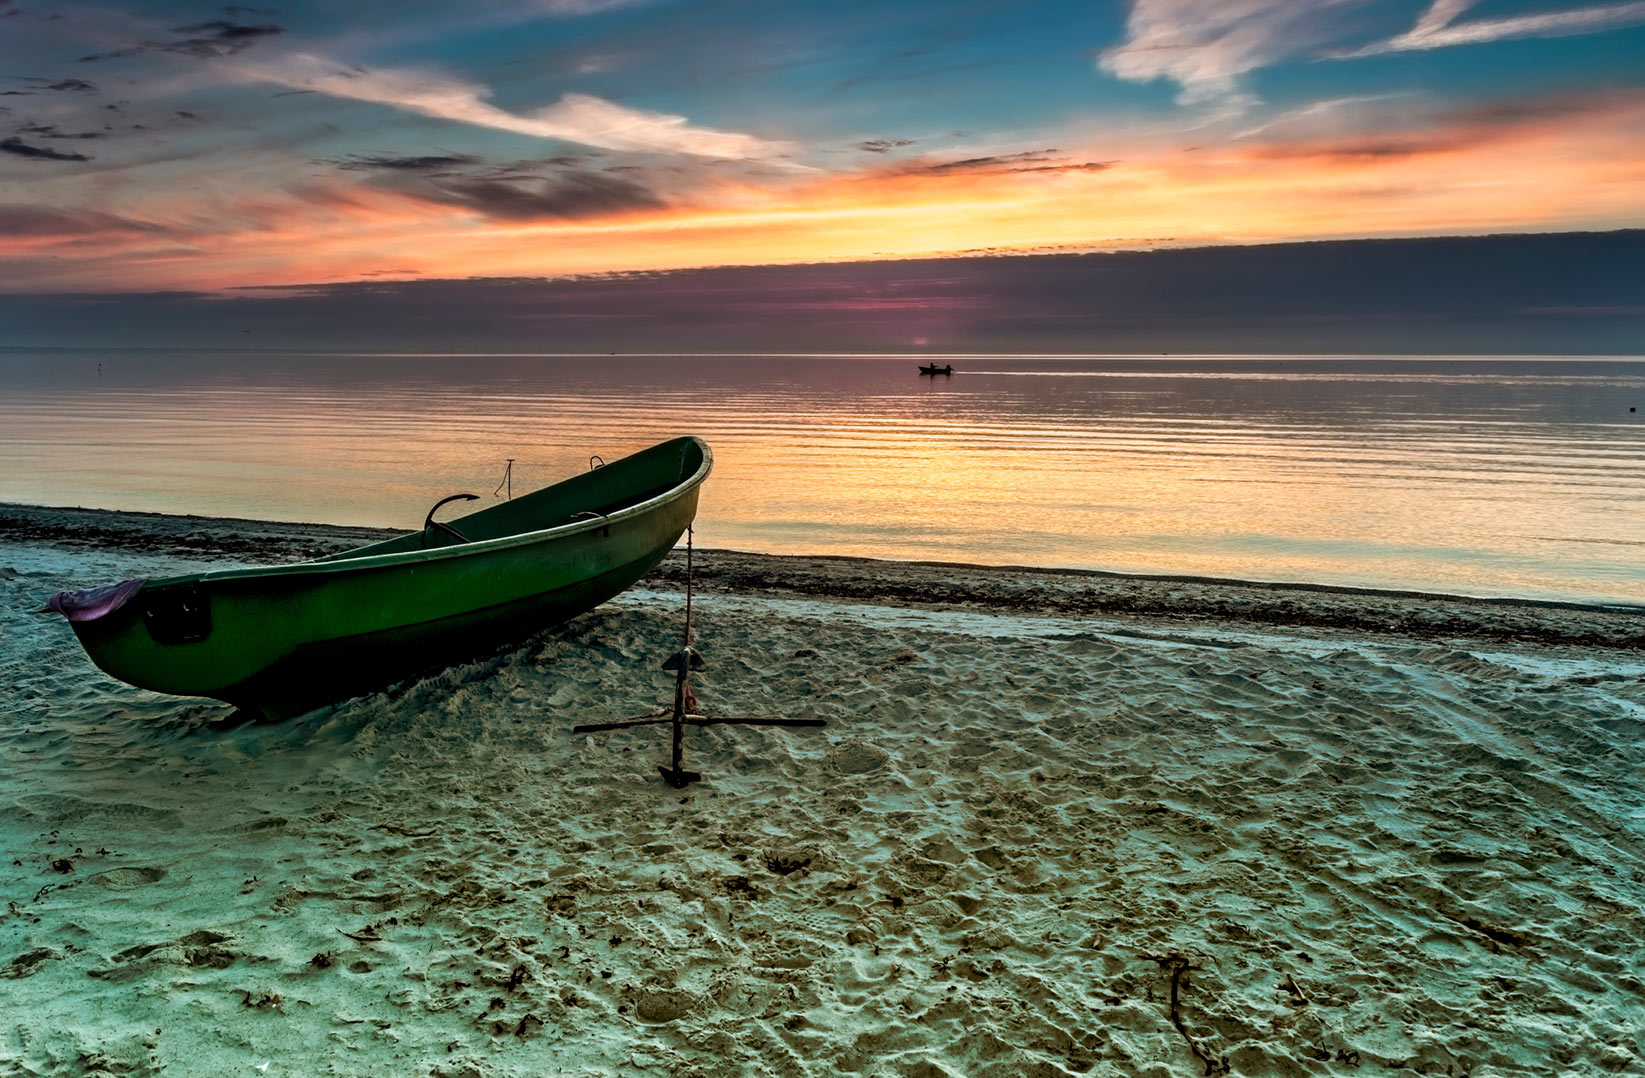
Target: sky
<point>209,149</point>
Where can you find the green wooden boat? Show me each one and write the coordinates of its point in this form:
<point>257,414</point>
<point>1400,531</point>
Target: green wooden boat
<point>279,640</point>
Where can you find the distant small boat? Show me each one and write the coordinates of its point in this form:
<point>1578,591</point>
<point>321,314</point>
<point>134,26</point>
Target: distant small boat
<point>932,368</point>
<point>279,640</point>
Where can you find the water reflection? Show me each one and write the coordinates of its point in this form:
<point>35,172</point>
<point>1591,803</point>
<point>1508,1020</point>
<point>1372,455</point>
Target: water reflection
<point>1488,476</point>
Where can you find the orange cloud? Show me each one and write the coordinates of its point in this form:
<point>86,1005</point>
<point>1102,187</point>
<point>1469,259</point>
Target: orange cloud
<point>1535,166</point>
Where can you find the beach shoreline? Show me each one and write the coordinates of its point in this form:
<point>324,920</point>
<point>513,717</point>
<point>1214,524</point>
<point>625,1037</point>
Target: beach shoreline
<point>1057,824</point>
<point>1023,589</point>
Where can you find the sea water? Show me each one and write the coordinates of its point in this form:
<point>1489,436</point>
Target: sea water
<point>1517,476</point>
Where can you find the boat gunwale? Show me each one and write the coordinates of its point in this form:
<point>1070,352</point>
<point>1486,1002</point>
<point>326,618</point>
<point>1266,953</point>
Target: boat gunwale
<point>504,542</point>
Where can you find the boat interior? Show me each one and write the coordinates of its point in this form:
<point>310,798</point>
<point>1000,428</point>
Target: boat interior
<point>599,492</point>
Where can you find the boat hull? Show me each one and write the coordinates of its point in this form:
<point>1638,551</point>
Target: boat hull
<point>282,640</point>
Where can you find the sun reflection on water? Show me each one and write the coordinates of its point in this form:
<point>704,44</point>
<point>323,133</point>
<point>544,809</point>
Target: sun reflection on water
<point>1482,476</point>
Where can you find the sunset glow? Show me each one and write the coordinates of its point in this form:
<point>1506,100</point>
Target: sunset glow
<point>175,151</point>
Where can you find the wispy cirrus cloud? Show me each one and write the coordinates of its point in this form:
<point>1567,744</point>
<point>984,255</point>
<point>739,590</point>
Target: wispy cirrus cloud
<point>1205,48</point>
<point>579,118</point>
<point>1438,27</point>
<point>1389,127</point>
<point>32,221</point>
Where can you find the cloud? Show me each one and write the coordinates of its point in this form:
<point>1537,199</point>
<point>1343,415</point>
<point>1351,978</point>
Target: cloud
<point>218,38</point>
<point>36,84</point>
<point>1385,128</point>
<point>52,222</point>
<point>884,145</point>
<point>569,196</point>
<point>1363,148</point>
<point>516,191</point>
<point>17,146</point>
<point>997,164</point>
<point>532,168</point>
<point>53,132</point>
<point>424,163</point>
<point>1438,27</point>
<point>1205,47</point>
<point>1407,164</point>
<point>579,118</point>
<point>204,40</point>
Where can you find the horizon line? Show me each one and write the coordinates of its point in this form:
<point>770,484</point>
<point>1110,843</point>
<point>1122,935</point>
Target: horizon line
<point>1514,357</point>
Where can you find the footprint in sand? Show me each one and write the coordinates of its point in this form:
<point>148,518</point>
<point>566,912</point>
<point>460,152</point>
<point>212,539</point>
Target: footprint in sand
<point>665,1004</point>
<point>204,949</point>
<point>129,877</point>
<point>27,965</point>
<point>856,758</point>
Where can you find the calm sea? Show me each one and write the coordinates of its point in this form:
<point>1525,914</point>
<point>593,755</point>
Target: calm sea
<point>1487,476</point>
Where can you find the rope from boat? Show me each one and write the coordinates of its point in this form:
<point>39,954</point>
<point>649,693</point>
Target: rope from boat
<point>690,698</point>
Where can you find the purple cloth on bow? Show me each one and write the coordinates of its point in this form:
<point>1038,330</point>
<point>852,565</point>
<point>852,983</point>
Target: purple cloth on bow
<point>93,603</point>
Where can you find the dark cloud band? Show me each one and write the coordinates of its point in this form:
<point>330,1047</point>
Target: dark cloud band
<point>19,148</point>
<point>204,40</point>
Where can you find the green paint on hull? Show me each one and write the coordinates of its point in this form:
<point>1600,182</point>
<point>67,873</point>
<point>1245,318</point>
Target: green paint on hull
<point>283,639</point>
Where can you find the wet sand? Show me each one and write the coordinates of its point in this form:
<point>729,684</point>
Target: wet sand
<point>1016,588</point>
<point>1059,823</point>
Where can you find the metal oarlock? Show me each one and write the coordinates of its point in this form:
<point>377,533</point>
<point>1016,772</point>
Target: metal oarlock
<point>684,712</point>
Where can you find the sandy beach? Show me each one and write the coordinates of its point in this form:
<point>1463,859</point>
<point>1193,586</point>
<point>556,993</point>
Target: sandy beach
<point>1058,823</point>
